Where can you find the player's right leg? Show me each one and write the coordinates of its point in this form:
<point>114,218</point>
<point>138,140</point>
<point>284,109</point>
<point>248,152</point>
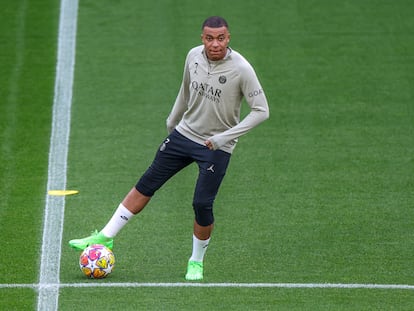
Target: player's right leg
<point>95,238</point>
<point>133,203</point>
<point>169,159</point>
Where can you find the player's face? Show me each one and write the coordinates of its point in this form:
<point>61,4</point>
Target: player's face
<point>215,42</point>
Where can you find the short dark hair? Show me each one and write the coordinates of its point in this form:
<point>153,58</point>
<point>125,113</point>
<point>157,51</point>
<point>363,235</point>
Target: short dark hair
<point>215,22</point>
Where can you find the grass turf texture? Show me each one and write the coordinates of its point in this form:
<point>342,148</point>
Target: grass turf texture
<point>28,40</point>
<point>321,192</point>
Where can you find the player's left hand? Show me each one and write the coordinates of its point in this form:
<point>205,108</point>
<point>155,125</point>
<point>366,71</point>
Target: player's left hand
<point>209,144</point>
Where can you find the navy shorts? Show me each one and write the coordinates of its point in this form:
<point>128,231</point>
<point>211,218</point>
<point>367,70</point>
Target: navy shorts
<point>177,152</point>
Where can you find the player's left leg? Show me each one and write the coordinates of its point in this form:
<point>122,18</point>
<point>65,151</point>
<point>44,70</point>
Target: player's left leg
<point>212,168</point>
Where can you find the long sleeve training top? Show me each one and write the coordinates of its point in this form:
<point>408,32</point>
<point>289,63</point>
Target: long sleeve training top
<point>210,97</point>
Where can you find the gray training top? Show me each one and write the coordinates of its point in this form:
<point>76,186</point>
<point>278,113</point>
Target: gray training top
<point>209,101</point>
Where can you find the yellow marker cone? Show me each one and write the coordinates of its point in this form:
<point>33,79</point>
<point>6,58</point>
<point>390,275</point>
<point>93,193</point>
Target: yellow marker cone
<point>62,192</point>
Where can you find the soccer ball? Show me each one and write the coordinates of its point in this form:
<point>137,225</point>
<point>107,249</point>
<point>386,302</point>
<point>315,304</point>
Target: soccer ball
<point>97,261</point>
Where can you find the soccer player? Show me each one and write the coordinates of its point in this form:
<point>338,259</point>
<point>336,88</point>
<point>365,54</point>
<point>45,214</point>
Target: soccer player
<point>204,125</point>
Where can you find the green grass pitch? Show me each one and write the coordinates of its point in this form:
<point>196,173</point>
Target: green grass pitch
<point>322,192</point>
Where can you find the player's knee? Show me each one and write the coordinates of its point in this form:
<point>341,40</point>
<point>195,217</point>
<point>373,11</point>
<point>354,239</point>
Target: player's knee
<point>203,213</point>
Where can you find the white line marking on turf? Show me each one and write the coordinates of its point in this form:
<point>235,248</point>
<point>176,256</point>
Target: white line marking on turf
<point>226,285</point>
<point>238,285</point>
<point>48,287</point>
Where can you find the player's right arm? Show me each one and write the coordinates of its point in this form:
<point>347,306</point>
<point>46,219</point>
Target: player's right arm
<point>181,102</point>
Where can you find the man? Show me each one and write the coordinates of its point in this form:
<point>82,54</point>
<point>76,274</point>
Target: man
<point>203,127</point>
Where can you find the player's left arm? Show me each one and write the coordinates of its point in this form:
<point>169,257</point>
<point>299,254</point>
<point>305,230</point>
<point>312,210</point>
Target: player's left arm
<point>259,111</point>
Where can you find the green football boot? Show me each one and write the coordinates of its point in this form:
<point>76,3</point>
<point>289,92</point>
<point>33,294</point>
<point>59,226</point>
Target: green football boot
<point>95,238</point>
<point>194,271</point>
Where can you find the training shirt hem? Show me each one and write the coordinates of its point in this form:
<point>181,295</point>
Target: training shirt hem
<point>199,140</point>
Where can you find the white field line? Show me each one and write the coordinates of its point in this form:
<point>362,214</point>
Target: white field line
<point>97,283</point>
<point>48,287</point>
